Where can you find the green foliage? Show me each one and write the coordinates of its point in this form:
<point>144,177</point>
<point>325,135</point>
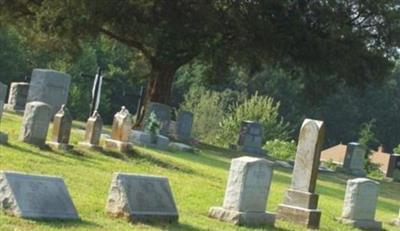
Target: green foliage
<point>258,108</point>
<point>280,149</point>
<point>329,164</point>
<point>367,136</point>
<point>153,124</point>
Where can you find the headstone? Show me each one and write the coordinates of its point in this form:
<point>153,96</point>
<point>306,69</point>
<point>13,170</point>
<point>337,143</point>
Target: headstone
<point>94,126</point>
<point>360,204</point>
<point>35,123</point>
<point>141,198</point>
<point>300,201</point>
<point>145,139</point>
<point>62,124</point>
<point>17,97</point>
<point>163,113</point>
<point>35,197</point>
<point>121,129</point>
<point>246,193</point>
<point>354,160</point>
<point>251,138</point>
<point>184,125</point>
<point>50,87</point>
<point>3,92</point>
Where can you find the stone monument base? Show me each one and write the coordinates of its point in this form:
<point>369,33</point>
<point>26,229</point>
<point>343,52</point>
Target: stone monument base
<point>12,108</point>
<point>117,145</point>
<point>242,218</point>
<point>353,172</point>
<point>362,224</point>
<point>308,217</point>
<point>396,222</point>
<point>90,146</point>
<point>3,138</point>
<point>59,146</point>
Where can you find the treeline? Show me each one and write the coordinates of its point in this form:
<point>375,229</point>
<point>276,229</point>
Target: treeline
<point>218,93</point>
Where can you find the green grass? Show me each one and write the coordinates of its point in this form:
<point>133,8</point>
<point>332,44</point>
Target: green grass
<point>198,182</point>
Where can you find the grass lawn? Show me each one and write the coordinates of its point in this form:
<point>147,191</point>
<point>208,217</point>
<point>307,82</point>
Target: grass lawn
<point>198,182</point>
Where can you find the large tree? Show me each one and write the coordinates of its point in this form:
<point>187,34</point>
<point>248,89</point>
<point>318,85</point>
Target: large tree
<point>352,40</point>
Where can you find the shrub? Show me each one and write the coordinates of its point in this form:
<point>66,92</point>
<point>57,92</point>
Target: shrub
<point>258,108</point>
<point>280,149</point>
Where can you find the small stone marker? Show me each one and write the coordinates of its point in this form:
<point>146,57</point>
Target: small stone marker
<point>360,204</point>
<point>17,97</point>
<point>246,193</point>
<point>141,198</point>
<point>121,129</point>
<point>163,113</point>
<point>184,125</point>
<point>3,92</point>
<point>50,87</point>
<point>35,123</point>
<point>94,126</point>
<point>145,139</point>
<point>251,138</point>
<point>300,201</point>
<point>354,159</point>
<point>62,124</point>
<point>35,196</point>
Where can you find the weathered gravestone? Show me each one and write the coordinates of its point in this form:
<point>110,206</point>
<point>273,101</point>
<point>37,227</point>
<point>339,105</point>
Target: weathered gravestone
<point>17,97</point>
<point>121,129</point>
<point>163,113</point>
<point>300,201</point>
<point>360,204</point>
<point>35,196</point>
<point>141,198</point>
<point>35,123</point>
<point>62,124</point>
<point>246,193</point>
<point>3,92</point>
<point>184,125</point>
<point>251,138</point>
<point>354,160</point>
<point>146,139</point>
<point>94,126</point>
<point>50,87</point>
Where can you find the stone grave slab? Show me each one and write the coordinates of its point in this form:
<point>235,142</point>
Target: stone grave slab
<point>144,139</point>
<point>94,127</point>
<point>62,124</point>
<point>141,198</point>
<point>354,160</point>
<point>35,196</point>
<point>121,128</point>
<point>184,124</point>
<point>17,97</point>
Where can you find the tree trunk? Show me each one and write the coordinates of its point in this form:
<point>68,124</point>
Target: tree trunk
<point>158,88</point>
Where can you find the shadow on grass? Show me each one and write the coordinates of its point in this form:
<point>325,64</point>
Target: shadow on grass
<point>65,224</point>
<point>26,150</point>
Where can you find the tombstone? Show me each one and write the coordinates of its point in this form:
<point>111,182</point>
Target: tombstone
<point>141,198</point>
<point>163,113</point>
<point>354,160</point>
<point>17,97</point>
<point>300,201</point>
<point>184,125</point>
<point>3,92</point>
<point>50,87</point>
<point>246,193</point>
<point>121,129</point>
<point>250,138</point>
<point>360,204</point>
<point>35,197</point>
<point>62,124</point>
<point>146,140</point>
<point>35,123</point>
<point>94,126</point>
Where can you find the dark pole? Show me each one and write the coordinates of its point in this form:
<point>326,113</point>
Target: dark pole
<point>140,103</point>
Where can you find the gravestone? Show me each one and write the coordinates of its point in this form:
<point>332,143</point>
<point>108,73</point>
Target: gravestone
<point>50,87</point>
<point>94,126</point>
<point>163,113</point>
<point>184,125</point>
<point>300,201</point>
<point>251,137</point>
<point>141,198</point>
<point>62,124</point>
<point>3,92</point>
<point>145,139</point>
<point>35,197</point>
<point>354,159</point>
<point>121,129</point>
<point>35,123</point>
<point>246,193</point>
<point>360,204</point>
<point>17,97</point>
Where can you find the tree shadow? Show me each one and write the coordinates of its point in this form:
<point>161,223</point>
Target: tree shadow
<point>65,224</point>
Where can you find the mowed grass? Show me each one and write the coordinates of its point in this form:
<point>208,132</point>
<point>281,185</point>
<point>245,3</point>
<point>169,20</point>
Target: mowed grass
<point>198,182</point>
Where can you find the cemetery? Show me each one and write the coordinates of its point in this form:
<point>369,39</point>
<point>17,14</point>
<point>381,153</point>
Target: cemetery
<point>199,115</point>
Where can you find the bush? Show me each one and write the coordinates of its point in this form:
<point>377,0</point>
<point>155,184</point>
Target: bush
<point>280,149</point>
<point>258,108</point>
